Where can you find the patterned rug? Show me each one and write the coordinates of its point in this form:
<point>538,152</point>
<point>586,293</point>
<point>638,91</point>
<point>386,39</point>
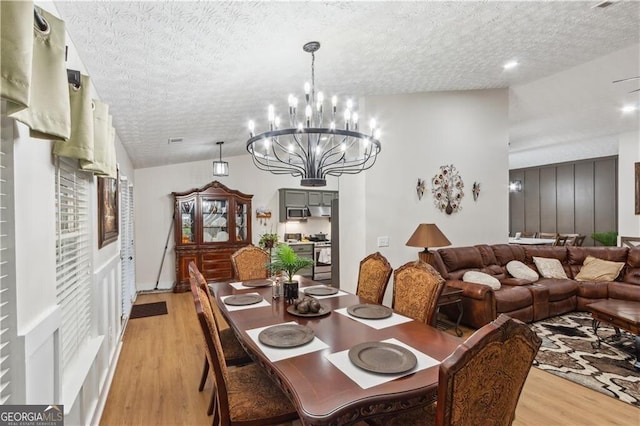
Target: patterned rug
<point>567,352</point>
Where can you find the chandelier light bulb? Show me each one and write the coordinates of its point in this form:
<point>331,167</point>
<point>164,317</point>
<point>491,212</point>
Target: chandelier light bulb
<point>300,127</point>
<point>290,99</point>
<point>277,121</point>
<point>347,115</point>
<point>320,97</point>
<point>349,104</point>
<point>307,112</point>
<point>252,127</point>
<point>290,147</point>
<point>354,117</point>
<point>307,88</point>
<point>271,114</point>
<point>377,134</point>
<point>267,143</point>
<point>332,126</point>
<point>372,125</point>
<point>343,146</point>
<point>366,142</point>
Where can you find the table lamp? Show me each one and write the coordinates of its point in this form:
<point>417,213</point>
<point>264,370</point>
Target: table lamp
<point>427,235</point>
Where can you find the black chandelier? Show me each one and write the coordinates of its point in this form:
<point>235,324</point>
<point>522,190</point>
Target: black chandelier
<point>307,148</point>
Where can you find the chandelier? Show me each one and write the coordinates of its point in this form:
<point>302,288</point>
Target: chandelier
<point>220,168</point>
<point>315,145</point>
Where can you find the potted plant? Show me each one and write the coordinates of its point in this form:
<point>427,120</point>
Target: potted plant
<point>268,240</point>
<point>289,262</point>
<point>606,238</point>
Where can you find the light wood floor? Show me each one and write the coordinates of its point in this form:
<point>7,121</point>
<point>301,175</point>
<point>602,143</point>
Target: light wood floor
<point>157,377</point>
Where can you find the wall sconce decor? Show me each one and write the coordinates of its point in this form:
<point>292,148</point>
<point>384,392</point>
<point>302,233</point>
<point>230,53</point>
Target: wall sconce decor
<point>515,186</point>
<point>476,190</point>
<point>420,188</point>
<point>447,189</point>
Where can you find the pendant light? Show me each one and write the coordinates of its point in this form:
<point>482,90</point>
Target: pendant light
<point>220,168</point>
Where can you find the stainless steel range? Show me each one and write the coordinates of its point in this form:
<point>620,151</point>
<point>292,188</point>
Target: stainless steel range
<point>322,260</point>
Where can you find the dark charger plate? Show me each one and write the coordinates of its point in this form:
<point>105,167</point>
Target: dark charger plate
<point>243,299</point>
<point>257,283</point>
<point>321,290</point>
<point>370,311</point>
<point>286,335</point>
<point>381,357</point>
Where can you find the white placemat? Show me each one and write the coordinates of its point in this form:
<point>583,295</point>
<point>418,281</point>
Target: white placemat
<point>239,286</point>
<point>232,308</point>
<point>378,324</point>
<point>339,293</point>
<point>366,379</point>
<point>277,354</point>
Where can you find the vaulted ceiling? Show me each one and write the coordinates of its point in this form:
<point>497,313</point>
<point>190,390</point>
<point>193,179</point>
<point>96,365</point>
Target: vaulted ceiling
<point>200,70</point>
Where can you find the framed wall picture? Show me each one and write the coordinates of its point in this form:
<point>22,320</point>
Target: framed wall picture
<point>107,211</point>
<point>637,188</point>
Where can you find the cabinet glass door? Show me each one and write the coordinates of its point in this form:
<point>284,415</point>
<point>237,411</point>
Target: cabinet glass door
<point>242,217</point>
<point>214,220</point>
<point>187,221</point>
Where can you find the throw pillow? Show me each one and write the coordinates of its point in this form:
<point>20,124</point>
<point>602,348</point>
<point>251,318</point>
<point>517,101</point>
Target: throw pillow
<point>481,278</point>
<point>594,269</point>
<point>518,269</point>
<point>550,268</point>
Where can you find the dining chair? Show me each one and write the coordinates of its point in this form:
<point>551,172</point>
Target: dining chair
<point>561,240</point>
<point>416,289</point>
<point>234,353</point>
<point>481,381</point>
<point>373,277</point>
<point>527,234</point>
<point>548,235</point>
<point>250,263</point>
<point>246,395</point>
<point>579,240</point>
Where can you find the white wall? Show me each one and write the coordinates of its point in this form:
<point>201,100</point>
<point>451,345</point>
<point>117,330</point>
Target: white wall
<point>420,133</point>
<point>629,154</point>
<point>154,209</point>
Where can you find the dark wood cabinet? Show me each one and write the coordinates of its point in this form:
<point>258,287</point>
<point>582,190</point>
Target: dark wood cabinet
<point>211,223</point>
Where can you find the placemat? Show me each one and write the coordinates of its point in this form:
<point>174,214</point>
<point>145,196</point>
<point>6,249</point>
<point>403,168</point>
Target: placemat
<point>339,293</point>
<point>239,286</point>
<point>277,354</point>
<point>366,379</point>
<point>231,308</point>
<point>378,324</point>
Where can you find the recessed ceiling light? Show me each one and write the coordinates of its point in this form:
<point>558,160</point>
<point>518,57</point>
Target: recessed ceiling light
<point>510,65</point>
<point>629,108</point>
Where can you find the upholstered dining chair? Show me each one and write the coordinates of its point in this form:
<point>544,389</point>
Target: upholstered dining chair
<point>480,383</point>
<point>548,235</point>
<point>245,394</point>
<point>416,289</point>
<point>250,263</point>
<point>234,353</point>
<point>373,277</point>
<point>527,234</point>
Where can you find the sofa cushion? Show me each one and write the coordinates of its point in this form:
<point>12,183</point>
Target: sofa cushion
<point>518,269</point>
<point>481,278</point>
<point>624,291</point>
<point>549,268</point>
<point>632,271</point>
<point>512,298</point>
<point>595,269</point>
<point>559,288</point>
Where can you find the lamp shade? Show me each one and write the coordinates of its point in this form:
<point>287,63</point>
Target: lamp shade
<point>428,235</point>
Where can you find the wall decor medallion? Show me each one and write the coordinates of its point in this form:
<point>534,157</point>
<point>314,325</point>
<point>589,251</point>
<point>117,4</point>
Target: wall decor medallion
<point>446,187</point>
<point>476,190</point>
<point>420,188</point>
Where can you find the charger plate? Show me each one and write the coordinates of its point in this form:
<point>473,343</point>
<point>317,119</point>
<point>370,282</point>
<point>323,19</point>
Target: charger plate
<point>370,311</point>
<point>321,290</point>
<point>243,299</point>
<point>381,357</point>
<point>286,335</point>
<point>257,283</point>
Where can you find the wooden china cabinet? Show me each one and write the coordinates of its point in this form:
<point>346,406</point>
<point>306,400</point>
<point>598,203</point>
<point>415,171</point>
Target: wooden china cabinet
<point>211,223</point>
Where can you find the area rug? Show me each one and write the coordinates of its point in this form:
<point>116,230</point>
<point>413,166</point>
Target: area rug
<point>567,352</point>
<point>148,310</point>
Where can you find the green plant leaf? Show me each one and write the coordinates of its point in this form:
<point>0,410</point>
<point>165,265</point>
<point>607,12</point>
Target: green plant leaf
<point>606,238</point>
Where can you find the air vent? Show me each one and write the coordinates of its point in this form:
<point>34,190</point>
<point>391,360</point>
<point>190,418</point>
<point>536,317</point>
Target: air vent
<point>175,140</point>
<point>604,4</point>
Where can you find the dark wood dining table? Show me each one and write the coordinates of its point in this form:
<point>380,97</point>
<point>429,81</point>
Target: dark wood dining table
<point>321,392</point>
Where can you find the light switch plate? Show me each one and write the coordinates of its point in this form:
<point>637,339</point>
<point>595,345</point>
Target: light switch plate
<point>383,241</point>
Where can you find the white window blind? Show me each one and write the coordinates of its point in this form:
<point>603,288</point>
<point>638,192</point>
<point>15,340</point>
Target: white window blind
<point>127,252</point>
<point>7,270</point>
<point>73,255</point>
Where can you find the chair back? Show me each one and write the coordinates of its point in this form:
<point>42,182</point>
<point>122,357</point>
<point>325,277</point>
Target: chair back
<point>250,263</point>
<point>547,234</point>
<point>416,289</point>
<point>578,241</point>
<point>373,277</point>
<point>213,345</point>
<point>484,376</point>
<point>527,234</point>
<point>630,242</point>
<point>561,240</point>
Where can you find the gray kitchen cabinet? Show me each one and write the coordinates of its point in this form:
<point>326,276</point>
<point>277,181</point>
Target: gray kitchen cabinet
<point>290,198</point>
<point>304,250</point>
<point>321,198</point>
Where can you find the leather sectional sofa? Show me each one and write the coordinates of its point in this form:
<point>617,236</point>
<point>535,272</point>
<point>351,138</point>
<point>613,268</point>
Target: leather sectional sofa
<point>527,300</point>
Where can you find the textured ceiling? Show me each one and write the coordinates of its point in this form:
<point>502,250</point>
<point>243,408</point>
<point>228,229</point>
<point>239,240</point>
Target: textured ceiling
<point>201,70</point>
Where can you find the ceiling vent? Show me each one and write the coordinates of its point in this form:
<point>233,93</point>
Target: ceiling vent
<point>604,4</point>
<point>175,140</point>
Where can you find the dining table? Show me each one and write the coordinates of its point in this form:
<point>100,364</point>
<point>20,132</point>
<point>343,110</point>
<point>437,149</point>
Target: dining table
<point>331,380</point>
<point>532,241</point>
